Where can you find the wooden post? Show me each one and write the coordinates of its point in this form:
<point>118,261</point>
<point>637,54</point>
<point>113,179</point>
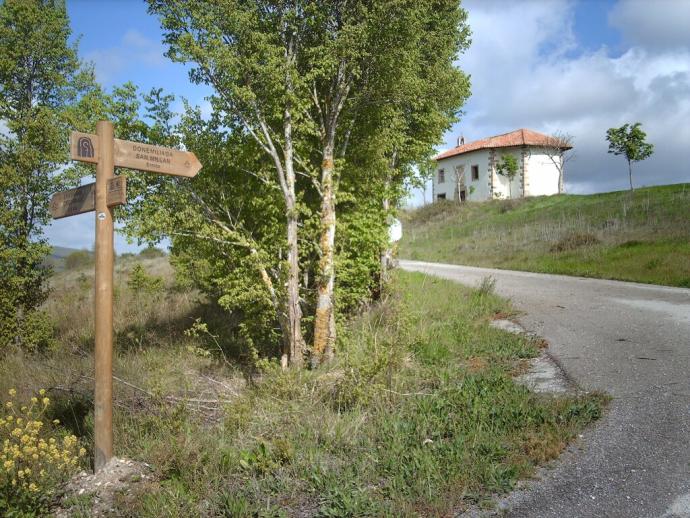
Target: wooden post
<point>103,411</point>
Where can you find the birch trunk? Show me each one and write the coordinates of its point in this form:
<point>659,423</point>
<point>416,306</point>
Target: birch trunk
<point>324,319</point>
<point>386,253</point>
<point>295,343</point>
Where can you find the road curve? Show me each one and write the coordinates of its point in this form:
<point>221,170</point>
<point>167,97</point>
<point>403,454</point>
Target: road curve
<point>633,342</point>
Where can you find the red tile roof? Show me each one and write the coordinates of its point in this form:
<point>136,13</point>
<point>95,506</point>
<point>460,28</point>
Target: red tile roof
<point>519,137</point>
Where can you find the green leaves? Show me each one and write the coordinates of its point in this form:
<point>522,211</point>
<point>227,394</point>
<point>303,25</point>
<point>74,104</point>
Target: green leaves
<point>629,141</point>
<point>507,166</point>
<point>44,93</point>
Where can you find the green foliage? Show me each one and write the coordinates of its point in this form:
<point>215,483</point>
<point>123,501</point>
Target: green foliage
<point>44,93</point>
<point>629,141</point>
<point>151,252</point>
<point>508,168</point>
<point>273,69</point>
<point>79,259</point>
<point>140,281</point>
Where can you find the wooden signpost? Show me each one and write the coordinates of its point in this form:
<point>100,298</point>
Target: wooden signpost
<point>83,199</point>
<point>109,191</point>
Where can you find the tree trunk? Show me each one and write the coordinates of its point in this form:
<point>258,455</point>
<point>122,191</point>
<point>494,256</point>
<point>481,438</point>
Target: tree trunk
<point>324,319</point>
<point>294,345</point>
<point>630,175</point>
<point>386,253</point>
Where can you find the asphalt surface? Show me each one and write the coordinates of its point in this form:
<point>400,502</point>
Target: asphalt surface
<point>633,342</point>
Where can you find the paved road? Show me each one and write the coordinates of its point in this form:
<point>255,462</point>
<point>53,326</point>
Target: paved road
<point>633,342</point>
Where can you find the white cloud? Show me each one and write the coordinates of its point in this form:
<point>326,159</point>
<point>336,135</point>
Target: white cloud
<point>134,49</point>
<point>662,24</point>
<point>528,71</point>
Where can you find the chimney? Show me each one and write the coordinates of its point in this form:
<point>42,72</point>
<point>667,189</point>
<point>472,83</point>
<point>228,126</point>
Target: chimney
<point>461,140</point>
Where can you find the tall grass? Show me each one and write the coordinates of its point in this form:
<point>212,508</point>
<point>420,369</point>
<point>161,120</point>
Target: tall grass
<point>418,415</point>
<point>642,236</point>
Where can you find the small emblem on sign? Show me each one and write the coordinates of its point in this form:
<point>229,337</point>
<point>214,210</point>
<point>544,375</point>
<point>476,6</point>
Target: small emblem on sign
<point>101,216</point>
<point>85,147</point>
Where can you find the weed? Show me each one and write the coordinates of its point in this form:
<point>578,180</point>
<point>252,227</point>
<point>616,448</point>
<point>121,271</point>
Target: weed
<point>573,241</point>
<point>487,286</point>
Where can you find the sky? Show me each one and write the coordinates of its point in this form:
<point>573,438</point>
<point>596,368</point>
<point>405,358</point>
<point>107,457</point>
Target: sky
<point>574,66</point>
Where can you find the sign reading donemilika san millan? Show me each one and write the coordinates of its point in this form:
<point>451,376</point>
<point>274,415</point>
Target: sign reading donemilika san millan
<point>83,199</point>
<point>135,155</point>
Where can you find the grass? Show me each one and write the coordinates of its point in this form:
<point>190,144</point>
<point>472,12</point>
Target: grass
<point>419,415</point>
<point>642,237</point>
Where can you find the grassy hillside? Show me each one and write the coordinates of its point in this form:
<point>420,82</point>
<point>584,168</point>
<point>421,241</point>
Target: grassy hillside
<point>417,416</point>
<point>642,237</point>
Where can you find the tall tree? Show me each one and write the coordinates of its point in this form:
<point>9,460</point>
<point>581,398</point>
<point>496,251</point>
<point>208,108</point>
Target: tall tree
<point>41,84</point>
<point>629,141</point>
<point>310,88</point>
<point>247,51</point>
<point>387,77</point>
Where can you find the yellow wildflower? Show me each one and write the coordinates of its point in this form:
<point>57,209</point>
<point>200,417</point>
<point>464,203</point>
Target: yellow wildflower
<point>12,392</point>
<point>46,401</point>
<point>33,487</point>
<point>34,400</point>
<point>56,421</point>
<point>8,404</point>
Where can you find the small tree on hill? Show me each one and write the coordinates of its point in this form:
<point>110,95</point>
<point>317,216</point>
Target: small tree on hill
<point>508,167</point>
<point>629,140</point>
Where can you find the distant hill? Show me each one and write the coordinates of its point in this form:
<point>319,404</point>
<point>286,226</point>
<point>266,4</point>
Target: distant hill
<point>57,258</point>
<point>642,236</point>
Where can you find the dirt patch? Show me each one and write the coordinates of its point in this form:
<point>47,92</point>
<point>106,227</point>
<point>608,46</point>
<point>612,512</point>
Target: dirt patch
<point>95,494</point>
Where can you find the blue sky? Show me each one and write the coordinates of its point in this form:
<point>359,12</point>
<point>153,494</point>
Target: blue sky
<point>578,66</point>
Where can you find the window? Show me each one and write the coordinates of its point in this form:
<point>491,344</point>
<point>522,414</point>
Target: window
<point>475,172</point>
<point>441,196</point>
<point>441,176</point>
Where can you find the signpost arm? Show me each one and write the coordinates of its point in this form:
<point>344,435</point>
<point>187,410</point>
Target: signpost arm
<point>103,411</point>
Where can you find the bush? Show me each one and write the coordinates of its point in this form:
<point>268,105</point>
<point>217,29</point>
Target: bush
<point>79,259</point>
<point>574,241</point>
<point>151,252</point>
<point>140,281</point>
<point>34,458</point>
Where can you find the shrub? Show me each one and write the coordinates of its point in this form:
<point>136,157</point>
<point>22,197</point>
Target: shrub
<point>79,259</point>
<point>151,252</point>
<point>140,281</point>
<point>574,241</point>
<point>34,458</point>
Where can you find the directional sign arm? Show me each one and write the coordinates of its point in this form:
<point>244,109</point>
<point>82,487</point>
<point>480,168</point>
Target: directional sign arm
<point>155,159</point>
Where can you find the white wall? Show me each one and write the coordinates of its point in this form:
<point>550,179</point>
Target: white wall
<point>542,174</point>
<point>501,182</point>
<point>541,177</point>
<point>481,186</point>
